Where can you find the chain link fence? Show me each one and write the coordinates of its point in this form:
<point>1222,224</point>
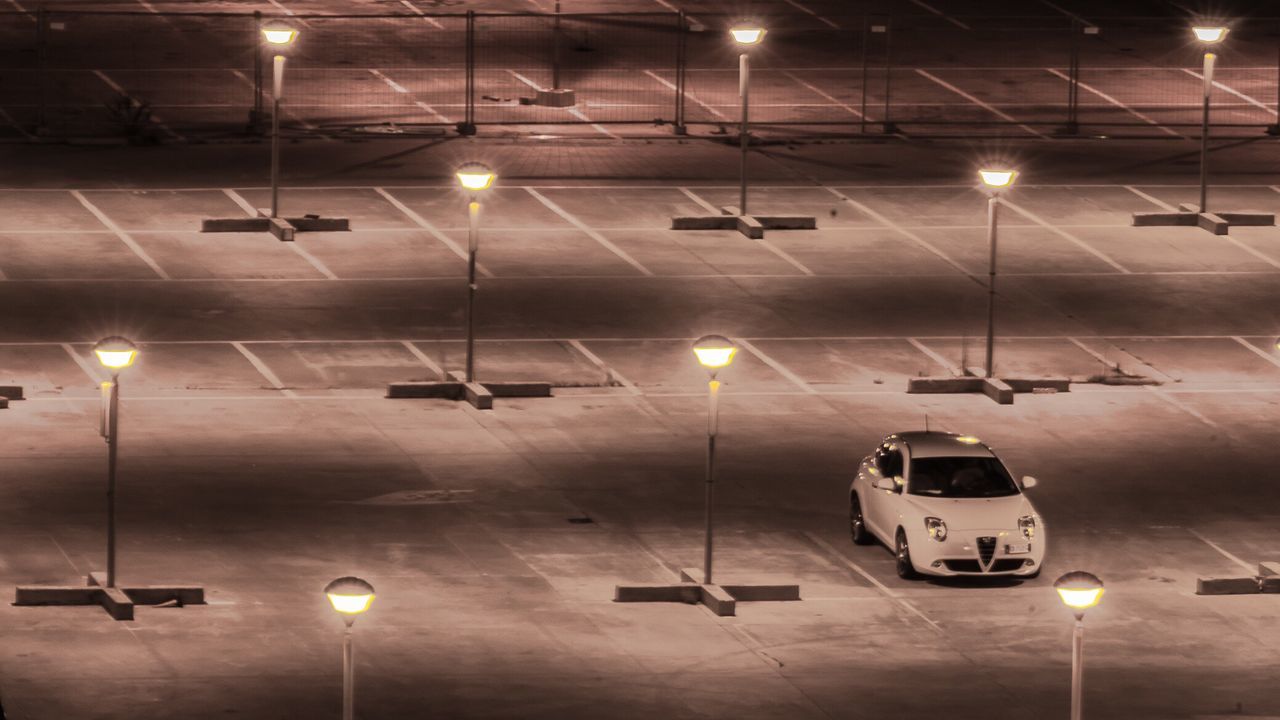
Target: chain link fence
<point>158,77</point>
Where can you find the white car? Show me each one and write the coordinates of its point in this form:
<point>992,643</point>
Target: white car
<point>947,507</point>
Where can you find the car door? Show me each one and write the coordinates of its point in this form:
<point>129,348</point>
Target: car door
<point>883,507</point>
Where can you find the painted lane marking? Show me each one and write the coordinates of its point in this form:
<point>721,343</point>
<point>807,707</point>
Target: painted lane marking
<point>609,372</point>
<point>121,91</point>
<point>784,255</point>
<point>1251,569</point>
<point>985,106</point>
<point>425,225</point>
<point>405,91</point>
<point>1233,91</point>
<point>892,595</point>
<point>827,96</point>
<point>294,246</point>
<point>424,16</point>
<point>802,8</point>
<point>424,359</point>
<point>1065,235</point>
<point>1118,104</point>
<point>687,94</point>
<point>1269,357</point>
<point>1151,199</point>
<point>936,357</point>
<point>265,371</point>
<point>284,108</point>
<point>8,119</point>
<point>121,234</point>
<point>886,222</point>
<point>590,232</point>
<point>88,369</point>
<point>1170,399</point>
<point>574,111</point>
<point>711,209</point>
<point>1066,12</point>
<point>941,14</point>
<point>777,366</point>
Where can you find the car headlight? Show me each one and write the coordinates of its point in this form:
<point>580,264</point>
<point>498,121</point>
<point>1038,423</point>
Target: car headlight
<point>1027,524</point>
<point>937,529</point>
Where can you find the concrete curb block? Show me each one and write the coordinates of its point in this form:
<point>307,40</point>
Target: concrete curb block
<point>1164,219</point>
<point>1268,569</point>
<point>750,227</point>
<point>234,225</point>
<point>1023,385</point>
<point>717,600</point>
<point>4,403</point>
<point>944,385</point>
<point>1212,223</point>
<point>1249,219</point>
<point>441,389</point>
<point>1227,586</point>
<point>518,389</point>
<point>997,390</point>
<point>154,594</point>
<point>658,592</point>
<point>478,395</point>
<point>705,222</point>
<point>11,392</point>
<point>788,222</point>
<point>758,593</point>
<point>280,228</point>
<point>1269,585</point>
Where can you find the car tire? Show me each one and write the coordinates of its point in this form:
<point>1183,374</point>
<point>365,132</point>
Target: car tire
<point>858,531</point>
<point>902,552</point>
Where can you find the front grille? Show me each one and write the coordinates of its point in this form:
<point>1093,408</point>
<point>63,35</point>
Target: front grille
<point>986,549</point>
<point>1006,565</point>
<point>969,566</point>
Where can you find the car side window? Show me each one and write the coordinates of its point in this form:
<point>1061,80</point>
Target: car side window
<point>893,463</point>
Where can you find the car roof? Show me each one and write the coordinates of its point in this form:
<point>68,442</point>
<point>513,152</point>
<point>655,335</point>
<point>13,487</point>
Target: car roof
<point>929,443</point>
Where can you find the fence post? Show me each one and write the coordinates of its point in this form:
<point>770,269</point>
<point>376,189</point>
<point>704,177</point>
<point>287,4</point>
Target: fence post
<point>256,113</point>
<point>889,127</point>
<point>1275,128</point>
<point>555,49</point>
<point>1073,80</point>
<point>468,125</point>
<point>682,37</point>
<point>866,40</point>
<point>42,69</point>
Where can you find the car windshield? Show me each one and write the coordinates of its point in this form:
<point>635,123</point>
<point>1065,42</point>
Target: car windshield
<point>960,477</point>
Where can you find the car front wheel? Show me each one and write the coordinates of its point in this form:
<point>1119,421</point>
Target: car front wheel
<point>906,570</point>
<point>857,523</point>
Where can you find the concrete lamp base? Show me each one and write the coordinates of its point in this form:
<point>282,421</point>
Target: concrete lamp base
<point>559,98</point>
<point>118,602</point>
<point>720,599</point>
<point>1190,216</point>
<point>1001,390</point>
<point>1266,581</point>
<point>9,392</point>
<point>282,228</point>
<point>479,394</point>
<point>753,226</point>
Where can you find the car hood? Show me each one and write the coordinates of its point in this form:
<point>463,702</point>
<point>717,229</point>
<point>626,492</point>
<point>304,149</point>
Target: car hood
<point>974,513</point>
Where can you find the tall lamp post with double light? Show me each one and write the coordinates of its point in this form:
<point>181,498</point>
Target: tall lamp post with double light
<point>474,178</point>
<point>115,354</point>
<point>280,37</point>
<point>715,353</point>
<point>1079,591</point>
<point>746,36</point>
<point>350,596</point>
<point>1209,36</point>
<point>995,181</point>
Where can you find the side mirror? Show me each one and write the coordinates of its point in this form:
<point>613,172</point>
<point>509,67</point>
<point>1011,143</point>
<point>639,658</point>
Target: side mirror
<point>1028,482</point>
<point>885,483</point>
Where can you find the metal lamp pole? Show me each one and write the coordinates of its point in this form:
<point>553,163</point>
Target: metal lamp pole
<point>713,421</point>
<point>348,671</point>
<point>744,85</point>
<point>113,440</point>
<point>993,203</point>
<point>1077,667</point>
<point>473,244</point>
<point>277,92</point>
<point>1209,58</point>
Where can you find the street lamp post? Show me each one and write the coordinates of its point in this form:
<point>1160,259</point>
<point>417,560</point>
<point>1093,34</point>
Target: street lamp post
<point>281,36</point>
<point>995,181</point>
<point>1209,36</point>
<point>350,596</point>
<point>746,36</point>
<point>474,178</point>
<point>1079,591</point>
<point>714,352</point>
<point>115,353</point>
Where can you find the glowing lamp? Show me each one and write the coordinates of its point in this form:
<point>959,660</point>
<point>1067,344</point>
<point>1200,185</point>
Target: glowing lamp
<point>996,179</point>
<point>1209,34</point>
<point>279,34</point>
<point>714,351</point>
<point>1079,590</point>
<point>115,353</point>
<point>349,596</point>
<point>475,177</point>
<point>747,34</point>
<point>968,440</point>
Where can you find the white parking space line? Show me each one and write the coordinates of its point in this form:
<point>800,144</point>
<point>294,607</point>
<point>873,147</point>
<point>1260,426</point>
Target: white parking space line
<point>285,9</point>
<point>955,370</point>
<point>1268,356</point>
<point>294,246</point>
<point>264,370</point>
<point>1066,12</point>
<point>424,359</point>
<point>783,254</point>
<point>403,90</point>
<point>572,110</point>
<point>1065,235</point>
<point>1251,569</point>
<point>941,14</point>
<point>1117,103</point>
<point>1180,405</point>
<point>415,9</point>
<point>119,233</point>
<point>894,596</point>
<point>245,205</point>
<point>777,366</point>
<point>609,372</point>
<point>688,95</point>
<point>284,108</point>
<point>827,96</point>
<point>8,119</point>
<point>802,8</point>
<point>1151,199</point>
<point>592,233</point>
<point>898,229</point>
<point>985,106</point>
<point>154,118</point>
<point>88,369</point>
<point>1233,91</point>
<point>18,6</point>
<point>425,225</point>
